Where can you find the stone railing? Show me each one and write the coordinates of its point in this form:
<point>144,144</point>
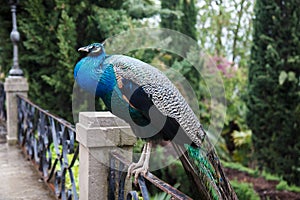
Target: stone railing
<point>99,134</point>
<point>13,86</point>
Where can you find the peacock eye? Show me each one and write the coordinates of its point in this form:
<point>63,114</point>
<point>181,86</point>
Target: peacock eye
<point>96,49</point>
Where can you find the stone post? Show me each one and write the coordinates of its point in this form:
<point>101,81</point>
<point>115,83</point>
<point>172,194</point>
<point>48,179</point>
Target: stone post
<point>13,85</point>
<point>98,133</point>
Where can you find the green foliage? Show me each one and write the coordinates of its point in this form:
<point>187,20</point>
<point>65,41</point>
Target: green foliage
<point>241,138</point>
<point>48,53</point>
<point>138,146</point>
<point>283,185</point>
<point>240,167</point>
<point>224,29</point>
<point>189,19</point>
<point>51,31</point>
<point>103,21</point>
<point>5,42</point>
<point>183,17</point>
<point>75,168</point>
<point>235,91</point>
<point>243,143</point>
<point>138,9</point>
<point>236,132</point>
<point>163,195</point>
<point>270,177</point>
<point>176,172</point>
<point>274,92</point>
<point>244,191</point>
<point>223,35</point>
<point>171,21</point>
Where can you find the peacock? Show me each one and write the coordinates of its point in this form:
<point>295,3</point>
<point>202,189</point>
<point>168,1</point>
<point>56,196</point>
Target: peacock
<point>155,109</point>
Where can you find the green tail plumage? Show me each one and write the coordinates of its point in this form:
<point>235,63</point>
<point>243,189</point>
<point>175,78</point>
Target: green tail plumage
<point>204,169</point>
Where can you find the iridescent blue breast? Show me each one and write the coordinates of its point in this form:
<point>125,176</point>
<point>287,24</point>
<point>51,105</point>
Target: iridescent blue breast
<point>107,81</point>
<point>94,76</point>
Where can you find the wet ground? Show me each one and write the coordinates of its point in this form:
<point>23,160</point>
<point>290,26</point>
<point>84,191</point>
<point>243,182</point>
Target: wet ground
<point>18,179</point>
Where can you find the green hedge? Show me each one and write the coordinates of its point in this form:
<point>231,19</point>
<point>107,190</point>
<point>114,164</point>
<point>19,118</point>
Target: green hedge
<point>274,87</point>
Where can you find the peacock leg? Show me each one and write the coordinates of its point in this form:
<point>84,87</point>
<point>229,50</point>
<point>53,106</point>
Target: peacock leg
<point>142,166</point>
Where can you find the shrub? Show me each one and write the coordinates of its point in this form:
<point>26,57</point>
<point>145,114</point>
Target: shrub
<point>244,191</point>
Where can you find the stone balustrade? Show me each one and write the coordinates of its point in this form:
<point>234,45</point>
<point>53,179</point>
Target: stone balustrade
<point>98,134</point>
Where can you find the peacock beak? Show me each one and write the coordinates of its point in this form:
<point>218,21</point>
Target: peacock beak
<point>86,49</point>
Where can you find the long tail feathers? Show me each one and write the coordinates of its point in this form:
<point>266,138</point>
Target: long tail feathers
<point>204,170</point>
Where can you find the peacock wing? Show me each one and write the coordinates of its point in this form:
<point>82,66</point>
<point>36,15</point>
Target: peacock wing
<point>154,88</point>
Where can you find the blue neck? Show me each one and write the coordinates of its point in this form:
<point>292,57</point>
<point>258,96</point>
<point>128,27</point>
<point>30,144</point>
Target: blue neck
<point>94,75</point>
<point>97,60</point>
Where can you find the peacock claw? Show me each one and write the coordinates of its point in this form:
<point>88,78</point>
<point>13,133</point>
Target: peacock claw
<point>135,170</point>
<point>142,166</point>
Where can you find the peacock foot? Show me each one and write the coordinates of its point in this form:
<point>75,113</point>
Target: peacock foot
<point>142,166</point>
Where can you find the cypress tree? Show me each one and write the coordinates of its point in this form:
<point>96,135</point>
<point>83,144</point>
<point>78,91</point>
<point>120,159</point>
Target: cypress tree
<point>189,18</point>
<point>170,21</point>
<point>274,87</point>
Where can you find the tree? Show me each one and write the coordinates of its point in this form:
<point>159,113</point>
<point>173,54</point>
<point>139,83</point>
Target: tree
<point>274,92</point>
<point>170,21</point>
<point>51,31</point>
<point>189,18</point>
<point>224,28</point>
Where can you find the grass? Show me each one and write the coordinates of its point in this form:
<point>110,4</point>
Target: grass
<point>163,195</point>
<point>270,177</point>
<point>244,191</point>
<point>240,167</point>
<point>282,185</point>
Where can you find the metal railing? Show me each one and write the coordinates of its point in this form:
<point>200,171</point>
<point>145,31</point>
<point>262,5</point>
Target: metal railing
<point>2,103</point>
<point>49,142</point>
<point>117,178</point>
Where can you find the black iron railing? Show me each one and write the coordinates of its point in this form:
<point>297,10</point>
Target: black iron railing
<point>117,180</point>
<point>49,142</point>
<point>2,103</point>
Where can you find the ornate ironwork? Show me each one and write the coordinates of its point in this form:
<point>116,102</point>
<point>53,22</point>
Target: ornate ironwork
<point>49,142</point>
<point>2,103</point>
<point>120,180</point>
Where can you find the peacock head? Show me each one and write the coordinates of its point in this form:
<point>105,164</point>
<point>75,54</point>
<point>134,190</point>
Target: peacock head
<point>93,49</point>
